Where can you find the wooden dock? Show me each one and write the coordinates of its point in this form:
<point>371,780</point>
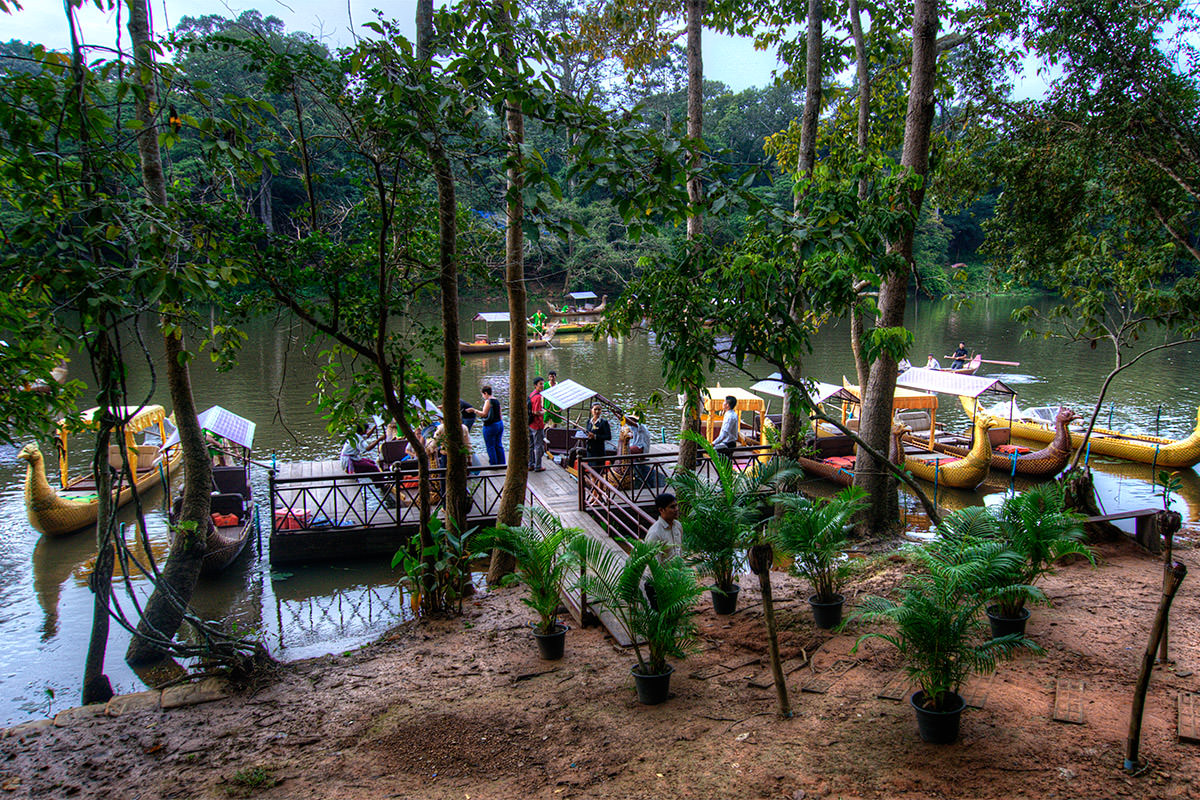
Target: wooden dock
<point>320,513</point>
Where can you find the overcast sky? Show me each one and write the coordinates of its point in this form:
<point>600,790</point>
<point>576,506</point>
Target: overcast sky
<point>727,59</point>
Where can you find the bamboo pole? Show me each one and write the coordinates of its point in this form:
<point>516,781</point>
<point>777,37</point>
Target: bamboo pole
<point>761,558</point>
<point>1175,576</point>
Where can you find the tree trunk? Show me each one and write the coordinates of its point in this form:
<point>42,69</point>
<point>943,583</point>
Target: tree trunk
<point>443,176</point>
<point>96,686</point>
<point>695,187</point>
<point>164,610</point>
<point>792,422</point>
<point>266,207</point>
<point>861,367</point>
<point>515,475</point>
<point>875,426</point>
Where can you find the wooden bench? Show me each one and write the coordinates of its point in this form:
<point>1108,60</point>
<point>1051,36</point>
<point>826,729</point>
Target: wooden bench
<point>1145,526</point>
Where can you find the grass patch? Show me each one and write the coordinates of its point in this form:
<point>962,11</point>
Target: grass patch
<point>249,781</point>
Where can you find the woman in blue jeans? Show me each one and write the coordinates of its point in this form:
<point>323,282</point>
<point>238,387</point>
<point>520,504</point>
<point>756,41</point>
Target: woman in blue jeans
<point>493,427</point>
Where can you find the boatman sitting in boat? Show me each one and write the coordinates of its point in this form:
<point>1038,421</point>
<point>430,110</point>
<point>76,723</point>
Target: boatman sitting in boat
<point>960,356</point>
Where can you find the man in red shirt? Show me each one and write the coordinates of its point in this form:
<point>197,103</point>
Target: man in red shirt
<point>537,427</point>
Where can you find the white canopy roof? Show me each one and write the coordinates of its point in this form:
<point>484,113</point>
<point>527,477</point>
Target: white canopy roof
<point>565,394</point>
<point>818,392</point>
<point>226,424</point>
<point>491,316</point>
<point>581,295</point>
<point>934,380</point>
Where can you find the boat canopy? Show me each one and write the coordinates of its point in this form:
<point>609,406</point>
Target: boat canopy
<point>491,316</point>
<point>581,296</point>
<point>932,380</point>
<point>902,399</point>
<point>224,423</point>
<point>818,392</point>
<point>568,393</point>
<point>141,417</point>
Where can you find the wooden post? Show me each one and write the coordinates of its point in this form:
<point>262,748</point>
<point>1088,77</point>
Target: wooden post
<point>1175,575</point>
<point>1168,523</point>
<point>761,558</point>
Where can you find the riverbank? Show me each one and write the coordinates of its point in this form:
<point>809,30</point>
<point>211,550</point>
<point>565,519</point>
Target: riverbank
<point>462,708</point>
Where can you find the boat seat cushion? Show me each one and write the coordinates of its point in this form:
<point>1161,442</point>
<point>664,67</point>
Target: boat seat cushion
<point>228,504</point>
<point>841,462</point>
<point>225,520</point>
<point>833,446</point>
<point>1008,449</point>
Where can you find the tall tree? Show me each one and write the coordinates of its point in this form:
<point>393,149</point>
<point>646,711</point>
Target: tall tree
<point>515,476</point>
<point>876,421</point>
<point>165,608</point>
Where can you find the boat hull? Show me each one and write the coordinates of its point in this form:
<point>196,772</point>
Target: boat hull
<point>59,516</point>
<point>468,348</point>
<point>1155,450</point>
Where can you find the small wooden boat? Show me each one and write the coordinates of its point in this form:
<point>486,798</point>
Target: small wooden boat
<point>1014,459</point>
<point>953,472</point>
<point>832,456</point>
<point>969,368</point>
<point>74,505</point>
<point>233,512</point>
<point>484,343</point>
<point>1036,425</point>
<point>578,310</point>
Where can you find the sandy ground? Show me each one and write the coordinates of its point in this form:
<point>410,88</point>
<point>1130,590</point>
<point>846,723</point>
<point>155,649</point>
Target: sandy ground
<point>464,709</point>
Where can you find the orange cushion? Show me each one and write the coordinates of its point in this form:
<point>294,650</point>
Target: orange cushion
<point>1013,448</point>
<point>842,462</point>
<point>224,520</point>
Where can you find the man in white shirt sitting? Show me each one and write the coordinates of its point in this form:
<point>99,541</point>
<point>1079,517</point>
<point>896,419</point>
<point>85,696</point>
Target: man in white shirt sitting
<point>730,427</point>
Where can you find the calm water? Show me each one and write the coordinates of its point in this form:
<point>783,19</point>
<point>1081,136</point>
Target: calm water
<point>45,607</point>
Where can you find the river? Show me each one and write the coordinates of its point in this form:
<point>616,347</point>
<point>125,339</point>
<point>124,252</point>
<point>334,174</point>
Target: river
<point>45,606</point>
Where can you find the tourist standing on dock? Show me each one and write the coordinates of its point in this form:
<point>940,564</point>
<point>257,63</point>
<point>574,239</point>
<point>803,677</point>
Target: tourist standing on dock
<point>537,427</point>
<point>598,432</point>
<point>730,427</point>
<point>354,452</point>
<point>493,427</point>
<point>639,444</point>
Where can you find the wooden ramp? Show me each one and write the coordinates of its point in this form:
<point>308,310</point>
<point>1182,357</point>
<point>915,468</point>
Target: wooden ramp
<point>557,490</point>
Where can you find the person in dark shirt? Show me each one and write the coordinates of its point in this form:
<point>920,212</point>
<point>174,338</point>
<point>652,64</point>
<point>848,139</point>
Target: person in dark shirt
<point>960,356</point>
<point>598,432</point>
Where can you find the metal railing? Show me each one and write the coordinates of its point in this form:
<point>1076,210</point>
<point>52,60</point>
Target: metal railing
<point>375,499</point>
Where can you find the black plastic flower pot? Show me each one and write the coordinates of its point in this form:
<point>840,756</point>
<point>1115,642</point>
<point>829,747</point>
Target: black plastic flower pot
<point>1003,626</point>
<point>938,727</point>
<point>725,602</point>
<point>550,645</point>
<point>827,615</point>
<point>652,689</point>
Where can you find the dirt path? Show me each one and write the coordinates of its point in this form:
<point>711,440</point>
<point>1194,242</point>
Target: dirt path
<point>463,709</point>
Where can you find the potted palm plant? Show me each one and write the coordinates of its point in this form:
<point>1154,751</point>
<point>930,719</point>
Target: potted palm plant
<point>660,630</point>
<point>543,554</point>
<point>937,628</point>
<point>718,517</point>
<point>813,533</point>
<point>1037,527</point>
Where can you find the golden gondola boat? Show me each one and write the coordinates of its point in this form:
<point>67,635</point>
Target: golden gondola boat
<point>74,505</point>
<point>1154,450</point>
